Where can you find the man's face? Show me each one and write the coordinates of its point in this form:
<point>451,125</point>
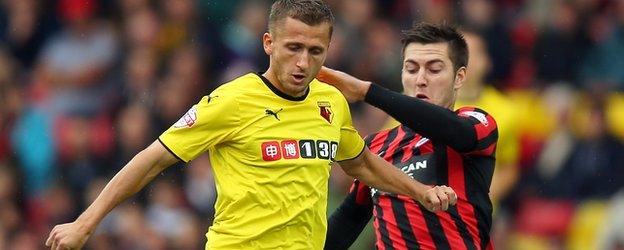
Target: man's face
<point>297,51</point>
<point>428,74</point>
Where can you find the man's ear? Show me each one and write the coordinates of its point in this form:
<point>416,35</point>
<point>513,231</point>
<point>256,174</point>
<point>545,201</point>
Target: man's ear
<point>460,78</point>
<point>267,43</point>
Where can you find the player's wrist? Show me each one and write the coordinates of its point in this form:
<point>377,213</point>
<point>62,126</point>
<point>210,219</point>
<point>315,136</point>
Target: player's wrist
<point>364,87</point>
<point>420,191</point>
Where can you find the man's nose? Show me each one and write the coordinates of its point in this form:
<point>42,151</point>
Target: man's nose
<point>303,60</point>
<point>421,78</point>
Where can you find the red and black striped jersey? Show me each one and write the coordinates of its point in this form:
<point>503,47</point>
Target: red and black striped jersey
<point>401,222</point>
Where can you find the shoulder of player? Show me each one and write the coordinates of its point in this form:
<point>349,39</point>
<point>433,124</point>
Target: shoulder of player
<point>475,112</point>
<point>238,87</point>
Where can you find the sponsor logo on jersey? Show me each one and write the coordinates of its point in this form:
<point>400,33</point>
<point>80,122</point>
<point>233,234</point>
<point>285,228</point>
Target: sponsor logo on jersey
<point>188,119</point>
<point>273,113</point>
<point>325,110</point>
<point>420,168</point>
<point>301,149</point>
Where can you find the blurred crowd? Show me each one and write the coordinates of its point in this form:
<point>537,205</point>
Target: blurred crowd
<point>87,84</point>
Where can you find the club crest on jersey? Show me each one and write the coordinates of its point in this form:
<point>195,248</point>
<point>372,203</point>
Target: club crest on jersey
<point>188,119</point>
<point>325,110</point>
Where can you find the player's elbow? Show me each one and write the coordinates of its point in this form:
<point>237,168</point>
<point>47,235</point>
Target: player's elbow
<point>355,168</point>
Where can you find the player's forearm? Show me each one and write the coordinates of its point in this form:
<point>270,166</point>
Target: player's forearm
<point>128,181</point>
<point>378,173</point>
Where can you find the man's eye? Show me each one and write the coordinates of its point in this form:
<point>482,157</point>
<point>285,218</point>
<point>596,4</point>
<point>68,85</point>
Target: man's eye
<point>315,52</point>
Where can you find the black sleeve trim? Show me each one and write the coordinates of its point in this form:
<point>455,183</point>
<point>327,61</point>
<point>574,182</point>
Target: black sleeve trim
<point>170,151</point>
<point>429,120</point>
<point>358,155</point>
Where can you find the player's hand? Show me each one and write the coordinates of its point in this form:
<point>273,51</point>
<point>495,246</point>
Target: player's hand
<point>438,198</point>
<point>67,236</point>
<point>352,88</point>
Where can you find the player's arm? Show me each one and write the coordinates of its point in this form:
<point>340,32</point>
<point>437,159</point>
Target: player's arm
<point>129,180</point>
<point>429,120</point>
<point>347,222</point>
<point>376,172</point>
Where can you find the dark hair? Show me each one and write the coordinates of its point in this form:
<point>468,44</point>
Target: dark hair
<point>426,33</point>
<point>310,12</point>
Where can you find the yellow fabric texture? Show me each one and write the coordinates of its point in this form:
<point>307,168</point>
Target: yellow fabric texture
<point>271,159</point>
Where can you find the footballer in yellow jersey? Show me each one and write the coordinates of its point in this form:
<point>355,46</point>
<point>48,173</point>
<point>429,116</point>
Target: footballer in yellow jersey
<point>271,141</point>
<point>271,156</point>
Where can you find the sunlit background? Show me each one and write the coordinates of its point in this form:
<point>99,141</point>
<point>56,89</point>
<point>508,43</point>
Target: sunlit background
<point>86,84</point>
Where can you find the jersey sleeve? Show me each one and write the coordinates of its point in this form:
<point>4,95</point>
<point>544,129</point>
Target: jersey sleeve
<point>485,129</point>
<point>351,143</point>
<point>209,122</point>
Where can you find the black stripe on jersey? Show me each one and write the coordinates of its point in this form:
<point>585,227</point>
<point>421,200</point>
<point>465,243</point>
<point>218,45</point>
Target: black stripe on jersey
<point>383,230</point>
<point>392,134</point>
<point>170,151</point>
<point>484,223</point>
<point>487,141</point>
<point>400,151</point>
<point>442,165</point>
<point>461,227</point>
<point>435,229</point>
<point>369,139</point>
<point>479,199</point>
<point>400,215</point>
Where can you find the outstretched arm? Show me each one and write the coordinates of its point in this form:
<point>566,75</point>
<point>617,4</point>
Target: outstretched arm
<point>129,180</point>
<point>376,172</point>
<point>429,120</point>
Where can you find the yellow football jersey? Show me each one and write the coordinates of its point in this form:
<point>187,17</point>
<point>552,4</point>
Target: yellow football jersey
<point>271,155</point>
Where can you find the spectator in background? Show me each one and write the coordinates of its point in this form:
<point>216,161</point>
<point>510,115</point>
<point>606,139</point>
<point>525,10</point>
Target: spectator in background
<point>11,96</point>
<point>483,17</point>
<point>179,25</point>
<point>141,29</point>
<point>602,68</point>
<point>26,26</point>
<point>139,78</point>
<point>561,45</point>
<point>75,60</point>
<point>239,39</point>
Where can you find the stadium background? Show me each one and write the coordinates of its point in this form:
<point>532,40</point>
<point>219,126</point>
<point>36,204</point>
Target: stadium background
<point>86,84</point>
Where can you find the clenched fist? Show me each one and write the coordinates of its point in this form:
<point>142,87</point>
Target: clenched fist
<point>438,198</point>
<point>68,236</point>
